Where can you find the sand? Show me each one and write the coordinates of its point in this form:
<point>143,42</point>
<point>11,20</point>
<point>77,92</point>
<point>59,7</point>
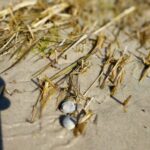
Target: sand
<point>113,129</point>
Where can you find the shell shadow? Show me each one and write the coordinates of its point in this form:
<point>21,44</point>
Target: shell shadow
<point>61,118</point>
<point>4,104</point>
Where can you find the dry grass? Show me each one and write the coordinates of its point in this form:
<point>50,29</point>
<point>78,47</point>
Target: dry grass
<point>36,26</point>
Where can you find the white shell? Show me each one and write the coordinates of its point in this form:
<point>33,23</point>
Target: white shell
<point>68,106</point>
<point>68,122</point>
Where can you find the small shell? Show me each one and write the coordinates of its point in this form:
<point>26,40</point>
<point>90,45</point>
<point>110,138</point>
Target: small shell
<point>67,122</point>
<point>68,106</point>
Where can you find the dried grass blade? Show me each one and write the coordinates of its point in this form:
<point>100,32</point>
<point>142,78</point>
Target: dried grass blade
<point>52,11</point>
<point>85,36</point>
<point>18,48</point>
<point>7,43</point>
<point>41,70</point>
<point>82,123</point>
<point>64,71</point>
<point>99,45</point>
<point>22,56</point>
<point>145,72</point>
<point>116,19</point>
<point>126,101</point>
<point>69,68</point>
<point>17,7</point>
<point>47,92</point>
<point>80,129</point>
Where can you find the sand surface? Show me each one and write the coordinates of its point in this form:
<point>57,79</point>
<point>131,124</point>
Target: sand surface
<point>114,129</point>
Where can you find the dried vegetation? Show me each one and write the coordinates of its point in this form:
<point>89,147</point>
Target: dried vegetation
<point>36,26</point>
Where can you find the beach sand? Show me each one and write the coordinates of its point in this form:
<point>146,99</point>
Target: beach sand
<point>112,129</point>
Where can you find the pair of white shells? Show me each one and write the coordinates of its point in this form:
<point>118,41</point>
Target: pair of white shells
<point>67,121</point>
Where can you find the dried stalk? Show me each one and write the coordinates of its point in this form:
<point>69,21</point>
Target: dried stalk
<point>48,90</point>
<point>99,45</point>
<point>120,63</point>
<point>71,67</point>
<point>51,12</point>
<point>22,56</point>
<point>7,43</point>
<point>17,7</point>
<point>74,44</point>
<point>116,19</point>
<point>125,102</point>
<point>146,69</point>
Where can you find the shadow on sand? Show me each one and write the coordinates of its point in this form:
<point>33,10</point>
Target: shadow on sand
<point>4,104</point>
